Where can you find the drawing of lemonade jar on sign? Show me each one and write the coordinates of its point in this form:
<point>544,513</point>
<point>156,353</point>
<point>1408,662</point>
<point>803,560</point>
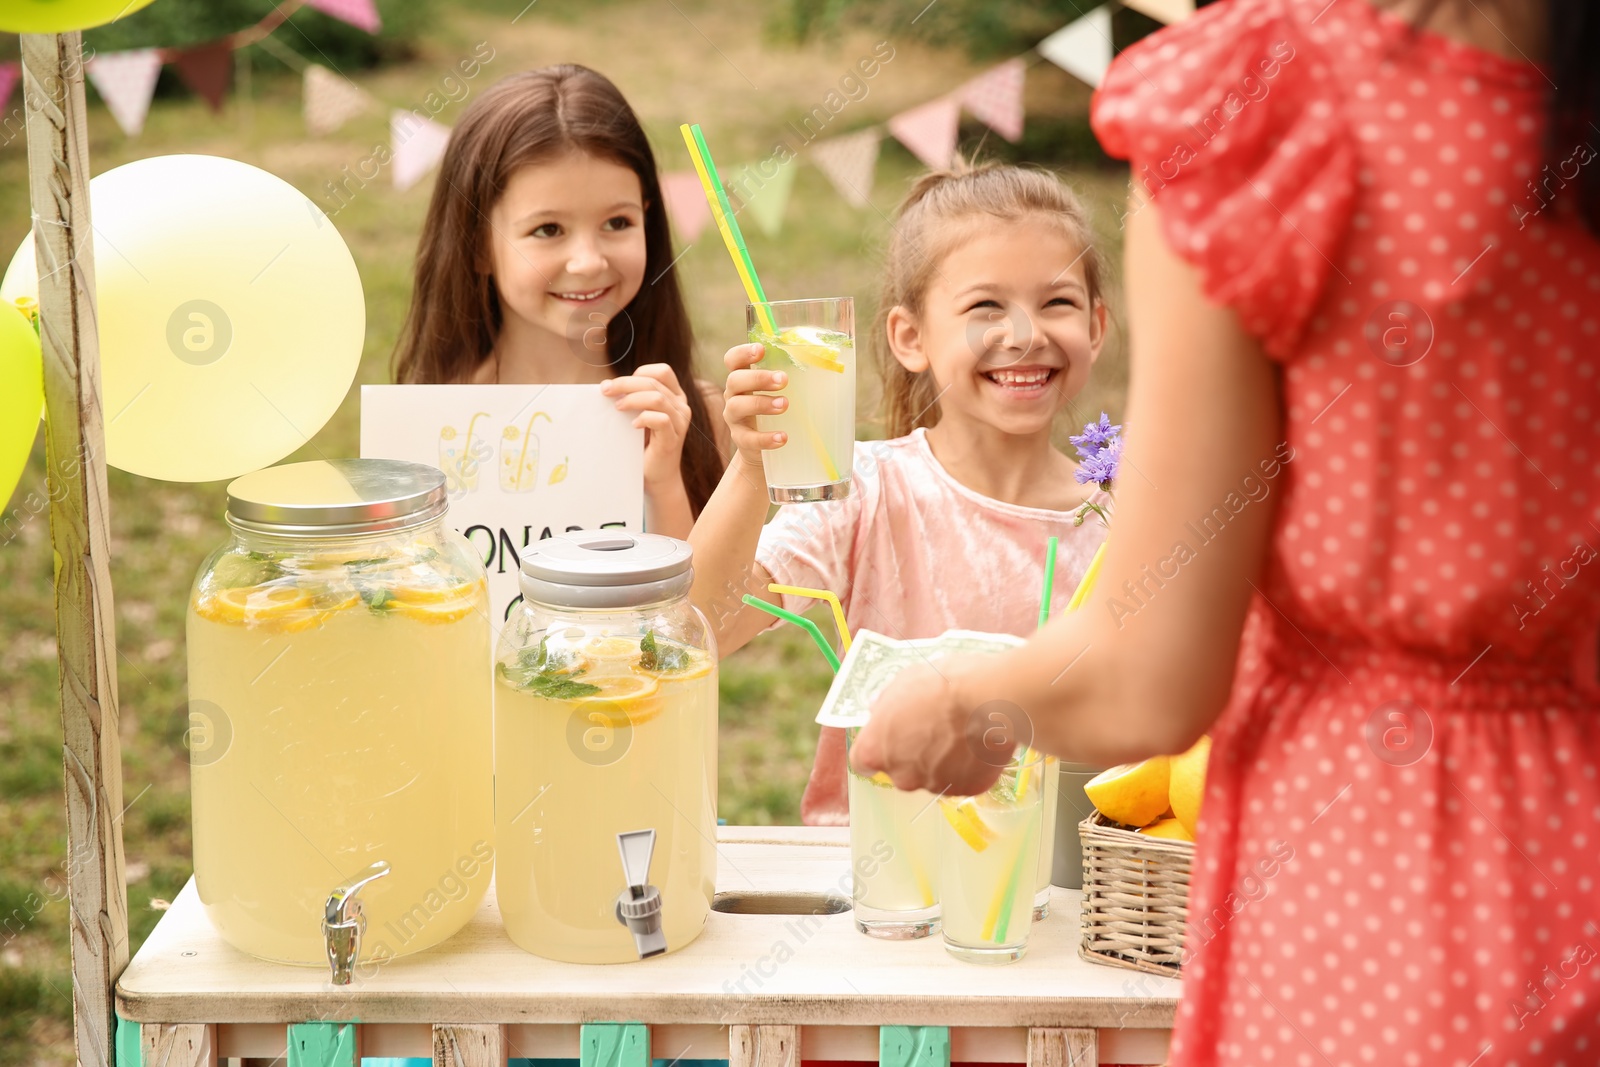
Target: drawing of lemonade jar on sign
<point>461,453</point>
<point>519,457</point>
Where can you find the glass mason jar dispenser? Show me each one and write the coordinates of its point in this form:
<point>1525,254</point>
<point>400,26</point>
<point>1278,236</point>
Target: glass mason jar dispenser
<point>605,713</point>
<point>340,706</point>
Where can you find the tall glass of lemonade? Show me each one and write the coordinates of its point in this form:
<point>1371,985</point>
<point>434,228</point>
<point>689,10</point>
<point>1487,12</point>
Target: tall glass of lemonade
<point>339,702</point>
<point>813,341</point>
<point>605,713</point>
<point>989,851</point>
<point>894,843</point>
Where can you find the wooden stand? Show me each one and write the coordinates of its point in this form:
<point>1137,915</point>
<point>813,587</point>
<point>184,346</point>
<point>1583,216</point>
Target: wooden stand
<point>787,978</point>
<point>58,175</point>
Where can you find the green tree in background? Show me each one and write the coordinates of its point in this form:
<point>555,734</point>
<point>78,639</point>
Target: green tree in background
<point>987,29</point>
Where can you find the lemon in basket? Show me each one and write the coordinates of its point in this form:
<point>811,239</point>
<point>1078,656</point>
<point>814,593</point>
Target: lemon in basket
<point>1188,783</point>
<point>1133,794</point>
<point>1168,828</point>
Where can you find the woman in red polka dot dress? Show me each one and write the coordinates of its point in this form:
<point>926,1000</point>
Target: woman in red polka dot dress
<point>1364,437</point>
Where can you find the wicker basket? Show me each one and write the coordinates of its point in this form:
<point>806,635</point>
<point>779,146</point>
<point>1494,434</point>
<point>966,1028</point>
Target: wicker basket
<point>1135,897</point>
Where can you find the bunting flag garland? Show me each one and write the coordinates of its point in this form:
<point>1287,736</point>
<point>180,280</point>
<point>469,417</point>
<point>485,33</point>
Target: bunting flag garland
<point>330,100</point>
<point>9,72</point>
<point>362,14</point>
<point>995,98</point>
<point>1082,48</point>
<point>126,81</point>
<point>207,69</point>
<point>849,163</point>
<point>418,146</point>
<point>1164,11</point>
<point>765,200</point>
<point>686,203</point>
<point>929,131</point>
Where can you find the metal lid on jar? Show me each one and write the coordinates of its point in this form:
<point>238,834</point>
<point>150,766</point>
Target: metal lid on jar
<point>606,569</point>
<point>342,496</point>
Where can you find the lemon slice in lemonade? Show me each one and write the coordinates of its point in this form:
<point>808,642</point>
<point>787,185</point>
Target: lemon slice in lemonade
<point>624,699</point>
<point>435,611</point>
<point>253,604</point>
<point>810,346</point>
<point>963,817</point>
<point>611,655</point>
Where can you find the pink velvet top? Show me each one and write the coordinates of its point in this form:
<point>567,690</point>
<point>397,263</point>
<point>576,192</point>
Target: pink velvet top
<point>912,553</point>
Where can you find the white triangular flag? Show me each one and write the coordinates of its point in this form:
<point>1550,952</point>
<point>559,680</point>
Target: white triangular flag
<point>1082,48</point>
<point>849,163</point>
<point>930,130</point>
<point>1167,11</point>
<point>126,81</point>
<point>995,98</point>
<point>329,100</point>
<point>418,145</point>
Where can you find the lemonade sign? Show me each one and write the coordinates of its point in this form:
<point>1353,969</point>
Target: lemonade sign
<point>521,463</point>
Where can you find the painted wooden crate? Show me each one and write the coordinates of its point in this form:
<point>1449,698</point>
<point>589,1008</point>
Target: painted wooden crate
<point>781,977</point>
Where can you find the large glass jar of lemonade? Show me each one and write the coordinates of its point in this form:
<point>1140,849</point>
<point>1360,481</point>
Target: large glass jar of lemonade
<point>340,661</point>
<point>605,711</point>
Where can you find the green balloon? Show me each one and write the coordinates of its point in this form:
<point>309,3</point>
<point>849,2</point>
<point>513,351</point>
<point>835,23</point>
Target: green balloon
<point>21,395</point>
<point>62,16</point>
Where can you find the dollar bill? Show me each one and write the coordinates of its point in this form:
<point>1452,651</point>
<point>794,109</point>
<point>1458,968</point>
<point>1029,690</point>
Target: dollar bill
<point>874,660</point>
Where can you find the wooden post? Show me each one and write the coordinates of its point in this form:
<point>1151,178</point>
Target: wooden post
<point>763,1046</point>
<point>58,179</point>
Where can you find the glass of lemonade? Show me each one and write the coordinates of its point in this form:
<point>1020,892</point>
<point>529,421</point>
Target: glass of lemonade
<point>813,341</point>
<point>605,713</point>
<point>1047,837</point>
<point>989,862</point>
<point>339,704</point>
<point>894,842</point>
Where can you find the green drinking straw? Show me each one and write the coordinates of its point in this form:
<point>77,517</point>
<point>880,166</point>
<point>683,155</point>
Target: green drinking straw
<point>1049,580</point>
<point>805,624</point>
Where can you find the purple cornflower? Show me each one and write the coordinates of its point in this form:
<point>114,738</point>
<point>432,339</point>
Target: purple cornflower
<point>1100,452</point>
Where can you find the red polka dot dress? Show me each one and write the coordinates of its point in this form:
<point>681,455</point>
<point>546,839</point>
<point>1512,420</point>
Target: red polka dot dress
<point>1397,856</point>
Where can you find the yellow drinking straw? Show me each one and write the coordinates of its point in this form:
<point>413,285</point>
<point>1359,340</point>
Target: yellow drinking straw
<point>833,602</point>
<point>1087,585</point>
<point>728,226</point>
<point>722,212</point>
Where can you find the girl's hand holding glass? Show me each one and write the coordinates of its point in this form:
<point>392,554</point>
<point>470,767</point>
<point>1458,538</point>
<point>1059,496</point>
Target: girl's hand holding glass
<point>742,403</point>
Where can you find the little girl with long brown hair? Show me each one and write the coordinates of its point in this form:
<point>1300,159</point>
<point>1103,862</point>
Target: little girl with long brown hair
<point>991,314</point>
<point>546,257</point>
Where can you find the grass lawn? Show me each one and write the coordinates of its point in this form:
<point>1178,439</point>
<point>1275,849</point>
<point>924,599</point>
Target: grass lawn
<point>696,60</point>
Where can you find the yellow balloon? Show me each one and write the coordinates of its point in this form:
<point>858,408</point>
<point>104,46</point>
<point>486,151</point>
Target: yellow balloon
<point>63,16</point>
<point>21,395</point>
<point>231,316</point>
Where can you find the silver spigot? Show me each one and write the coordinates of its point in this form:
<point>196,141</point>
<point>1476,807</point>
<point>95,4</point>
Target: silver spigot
<point>343,923</point>
<point>639,905</point>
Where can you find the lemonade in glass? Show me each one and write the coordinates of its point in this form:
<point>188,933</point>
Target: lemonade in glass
<point>894,842</point>
<point>989,861</point>
<point>813,341</point>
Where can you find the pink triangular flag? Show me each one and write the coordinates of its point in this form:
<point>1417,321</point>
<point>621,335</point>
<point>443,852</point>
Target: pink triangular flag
<point>362,14</point>
<point>330,100</point>
<point>126,81</point>
<point>849,163</point>
<point>418,145</point>
<point>930,130</point>
<point>995,98</point>
<point>8,81</point>
<point>686,203</point>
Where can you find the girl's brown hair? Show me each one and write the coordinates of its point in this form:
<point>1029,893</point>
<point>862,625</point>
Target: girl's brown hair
<point>922,236</point>
<point>455,313</point>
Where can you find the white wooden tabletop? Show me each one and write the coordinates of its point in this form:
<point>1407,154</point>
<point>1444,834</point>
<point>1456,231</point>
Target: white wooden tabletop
<point>797,969</point>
